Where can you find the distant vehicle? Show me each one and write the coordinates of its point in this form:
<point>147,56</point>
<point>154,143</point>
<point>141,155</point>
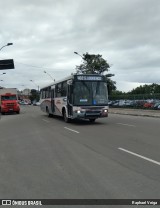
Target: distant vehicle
<point>130,103</point>
<point>25,102</point>
<point>148,105</point>
<point>115,103</point>
<point>139,103</point>
<point>121,103</point>
<point>37,103</point>
<point>9,100</point>
<point>76,97</point>
<point>22,102</point>
<point>156,105</point>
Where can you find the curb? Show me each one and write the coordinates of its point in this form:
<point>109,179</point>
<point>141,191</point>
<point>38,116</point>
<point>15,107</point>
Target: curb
<point>130,114</point>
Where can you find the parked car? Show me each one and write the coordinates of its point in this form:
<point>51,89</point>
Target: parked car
<point>115,103</point>
<point>148,105</point>
<point>22,102</point>
<point>122,103</point>
<point>36,104</point>
<point>130,103</point>
<point>156,105</point>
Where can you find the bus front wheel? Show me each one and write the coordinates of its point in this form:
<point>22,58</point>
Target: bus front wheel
<point>66,119</point>
<point>92,120</point>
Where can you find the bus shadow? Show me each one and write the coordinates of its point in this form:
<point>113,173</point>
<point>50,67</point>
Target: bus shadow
<point>81,122</point>
<point>8,114</point>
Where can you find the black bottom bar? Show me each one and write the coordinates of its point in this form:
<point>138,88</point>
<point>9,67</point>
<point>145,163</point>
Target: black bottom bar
<point>35,202</point>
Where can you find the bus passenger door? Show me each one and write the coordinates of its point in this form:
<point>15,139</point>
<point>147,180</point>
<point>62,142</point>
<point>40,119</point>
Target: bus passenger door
<point>70,100</point>
<point>52,100</point>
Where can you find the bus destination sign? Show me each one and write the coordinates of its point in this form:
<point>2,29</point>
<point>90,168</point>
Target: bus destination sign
<point>89,78</point>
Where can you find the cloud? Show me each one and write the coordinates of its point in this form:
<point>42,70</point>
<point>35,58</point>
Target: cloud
<point>46,33</point>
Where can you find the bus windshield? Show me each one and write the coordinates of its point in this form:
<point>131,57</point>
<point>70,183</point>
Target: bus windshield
<point>90,93</point>
<point>9,97</point>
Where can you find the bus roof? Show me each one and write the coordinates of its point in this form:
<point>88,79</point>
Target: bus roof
<point>56,82</point>
<point>74,76</point>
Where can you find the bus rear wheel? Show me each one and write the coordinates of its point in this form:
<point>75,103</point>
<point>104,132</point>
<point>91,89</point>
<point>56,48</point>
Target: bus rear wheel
<point>47,111</point>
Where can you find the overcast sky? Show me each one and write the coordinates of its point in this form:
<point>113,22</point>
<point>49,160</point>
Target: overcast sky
<point>45,34</point>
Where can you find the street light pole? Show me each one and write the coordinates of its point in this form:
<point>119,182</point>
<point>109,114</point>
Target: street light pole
<point>88,65</point>
<point>35,84</point>
<point>78,54</point>
<point>1,86</point>
<point>8,44</point>
<point>49,75</point>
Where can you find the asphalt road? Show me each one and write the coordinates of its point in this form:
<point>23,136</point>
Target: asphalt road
<point>115,158</point>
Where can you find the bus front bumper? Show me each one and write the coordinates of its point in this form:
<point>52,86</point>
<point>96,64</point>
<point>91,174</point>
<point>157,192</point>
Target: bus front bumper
<point>90,114</point>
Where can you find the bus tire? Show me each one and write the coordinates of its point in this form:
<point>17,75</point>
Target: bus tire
<point>47,111</point>
<point>66,119</point>
<point>92,120</point>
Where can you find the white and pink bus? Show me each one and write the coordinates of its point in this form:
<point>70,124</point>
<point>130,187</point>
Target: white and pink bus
<point>80,96</point>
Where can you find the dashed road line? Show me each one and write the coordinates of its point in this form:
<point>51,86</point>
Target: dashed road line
<point>72,130</point>
<point>140,156</point>
<point>126,124</point>
<point>45,121</point>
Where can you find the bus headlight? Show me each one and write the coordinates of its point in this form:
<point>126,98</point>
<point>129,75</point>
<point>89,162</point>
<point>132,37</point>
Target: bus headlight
<point>105,111</point>
<point>78,111</point>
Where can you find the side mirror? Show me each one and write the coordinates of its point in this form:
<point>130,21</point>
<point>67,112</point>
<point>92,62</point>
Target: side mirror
<point>69,82</point>
<point>52,87</point>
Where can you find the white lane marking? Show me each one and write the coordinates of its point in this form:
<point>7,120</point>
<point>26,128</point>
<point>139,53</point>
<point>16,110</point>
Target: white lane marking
<point>71,130</point>
<point>145,158</point>
<point>45,120</point>
<point>126,124</point>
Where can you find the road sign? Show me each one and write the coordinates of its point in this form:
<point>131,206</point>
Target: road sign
<point>6,64</point>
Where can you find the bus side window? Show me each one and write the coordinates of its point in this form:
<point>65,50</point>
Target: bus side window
<point>41,94</point>
<point>64,89</point>
<point>58,90</point>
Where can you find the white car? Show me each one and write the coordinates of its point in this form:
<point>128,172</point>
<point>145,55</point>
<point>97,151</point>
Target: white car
<point>37,103</point>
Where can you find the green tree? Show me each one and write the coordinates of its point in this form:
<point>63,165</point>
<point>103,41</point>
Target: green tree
<point>117,92</point>
<point>146,89</point>
<point>95,64</point>
<point>111,85</point>
<point>34,95</point>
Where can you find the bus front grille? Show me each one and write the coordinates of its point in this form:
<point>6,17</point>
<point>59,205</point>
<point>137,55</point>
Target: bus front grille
<point>10,104</point>
<point>92,114</point>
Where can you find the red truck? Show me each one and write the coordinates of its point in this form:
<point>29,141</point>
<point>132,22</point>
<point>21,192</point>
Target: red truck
<point>9,100</point>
